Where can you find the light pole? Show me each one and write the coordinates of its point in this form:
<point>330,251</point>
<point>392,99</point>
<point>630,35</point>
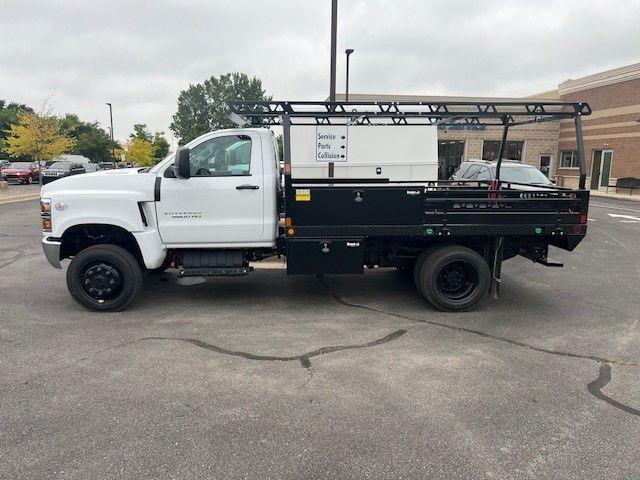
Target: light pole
<point>348,52</point>
<point>332,79</point>
<point>334,34</point>
<point>113,145</point>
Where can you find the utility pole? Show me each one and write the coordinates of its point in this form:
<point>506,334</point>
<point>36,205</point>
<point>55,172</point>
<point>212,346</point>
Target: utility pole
<point>332,81</point>
<point>348,52</point>
<point>113,145</point>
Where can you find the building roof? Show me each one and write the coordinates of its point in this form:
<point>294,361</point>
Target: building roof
<point>608,77</point>
<point>383,97</point>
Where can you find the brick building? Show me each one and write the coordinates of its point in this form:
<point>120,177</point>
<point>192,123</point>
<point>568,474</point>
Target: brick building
<point>611,133</point>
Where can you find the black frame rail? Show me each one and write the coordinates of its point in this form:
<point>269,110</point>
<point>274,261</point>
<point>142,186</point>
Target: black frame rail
<point>503,114</point>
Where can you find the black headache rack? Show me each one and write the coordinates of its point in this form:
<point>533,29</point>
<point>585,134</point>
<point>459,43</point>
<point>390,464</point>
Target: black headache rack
<point>357,210</point>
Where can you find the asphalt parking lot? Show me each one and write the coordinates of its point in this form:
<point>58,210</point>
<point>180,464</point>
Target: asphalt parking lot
<point>272,376</point>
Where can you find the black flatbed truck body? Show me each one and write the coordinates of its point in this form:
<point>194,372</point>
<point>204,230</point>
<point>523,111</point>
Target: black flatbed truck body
<point>342,225</point>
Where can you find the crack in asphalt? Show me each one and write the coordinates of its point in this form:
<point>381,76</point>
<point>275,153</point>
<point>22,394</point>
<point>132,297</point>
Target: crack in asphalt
<point>304,359</point>
<point>594,388</point>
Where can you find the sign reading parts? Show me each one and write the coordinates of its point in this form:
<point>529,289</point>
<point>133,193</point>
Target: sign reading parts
<point>332,143</point>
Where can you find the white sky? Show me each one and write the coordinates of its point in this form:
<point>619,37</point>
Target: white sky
<point>140,54</point>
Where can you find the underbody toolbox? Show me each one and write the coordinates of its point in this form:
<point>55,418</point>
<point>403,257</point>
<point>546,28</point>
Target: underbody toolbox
<point>318,256</point>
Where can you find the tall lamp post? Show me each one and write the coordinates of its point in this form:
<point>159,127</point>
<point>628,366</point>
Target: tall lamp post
<point>113,145</point>
<point>348,52</point>
<point>332,75</point>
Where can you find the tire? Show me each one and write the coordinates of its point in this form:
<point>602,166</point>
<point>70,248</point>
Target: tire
<point>104,278</point>
<point>29,180</point>
<point>453,278</point>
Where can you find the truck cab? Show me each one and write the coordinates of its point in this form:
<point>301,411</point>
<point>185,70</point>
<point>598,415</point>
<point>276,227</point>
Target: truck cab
<point>228,199</point>
<point>222,207</point>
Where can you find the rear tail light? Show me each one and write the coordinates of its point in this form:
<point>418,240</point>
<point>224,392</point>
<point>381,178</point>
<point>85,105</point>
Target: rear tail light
<point>583,219</point>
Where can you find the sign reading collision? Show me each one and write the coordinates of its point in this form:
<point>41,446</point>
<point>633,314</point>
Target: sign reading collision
<point>331,143</point>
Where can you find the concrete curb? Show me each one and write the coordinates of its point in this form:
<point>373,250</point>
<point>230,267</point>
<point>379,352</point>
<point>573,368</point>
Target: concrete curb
<point>616,196</point>
<point>18,199</point>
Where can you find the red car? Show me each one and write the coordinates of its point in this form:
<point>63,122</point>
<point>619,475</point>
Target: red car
<point>21,172</point>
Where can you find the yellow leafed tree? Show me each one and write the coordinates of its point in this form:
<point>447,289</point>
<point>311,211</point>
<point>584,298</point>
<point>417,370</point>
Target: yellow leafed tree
<point>37,136</point>
<point>140,152</point>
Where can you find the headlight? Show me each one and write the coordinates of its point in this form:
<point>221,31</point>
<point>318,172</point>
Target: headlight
<point>45,213</point>
<point>45,206</point>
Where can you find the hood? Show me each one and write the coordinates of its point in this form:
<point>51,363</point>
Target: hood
<point>127,181</point>
<point>16,170</point>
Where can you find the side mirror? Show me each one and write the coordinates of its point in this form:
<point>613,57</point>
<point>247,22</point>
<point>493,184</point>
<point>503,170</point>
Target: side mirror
<point>182,163</point>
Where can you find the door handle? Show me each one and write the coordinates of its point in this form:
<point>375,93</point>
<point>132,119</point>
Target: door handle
<point>247,187</point>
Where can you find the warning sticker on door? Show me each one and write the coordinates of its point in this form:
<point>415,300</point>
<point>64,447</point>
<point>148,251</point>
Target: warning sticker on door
<point>303,195</point>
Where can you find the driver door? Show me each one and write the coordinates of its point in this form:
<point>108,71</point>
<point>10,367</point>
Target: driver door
<point>222,203</point>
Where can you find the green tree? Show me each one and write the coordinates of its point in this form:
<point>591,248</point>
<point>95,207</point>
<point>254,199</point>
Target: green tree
<point>140,131</point>
<point>203,107</point>
<point>91,140</point>
<point>160,145</point>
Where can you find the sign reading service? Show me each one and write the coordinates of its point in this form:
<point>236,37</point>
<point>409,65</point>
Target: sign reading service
<point>331,143</point>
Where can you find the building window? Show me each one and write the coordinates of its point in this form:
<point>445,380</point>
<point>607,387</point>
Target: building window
<point>512,150</point>
<point>450,154</point>
<point>569,159</point>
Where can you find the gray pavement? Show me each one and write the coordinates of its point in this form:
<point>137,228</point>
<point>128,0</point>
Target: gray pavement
<point>272,376</point>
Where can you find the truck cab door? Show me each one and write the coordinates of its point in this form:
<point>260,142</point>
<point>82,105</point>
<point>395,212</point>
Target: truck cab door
<point>222,203</point>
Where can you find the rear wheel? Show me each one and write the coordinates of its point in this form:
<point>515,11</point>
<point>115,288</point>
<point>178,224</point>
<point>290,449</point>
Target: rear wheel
<point>29,179</point>
<point>453,277</point>
<point>104,277</point>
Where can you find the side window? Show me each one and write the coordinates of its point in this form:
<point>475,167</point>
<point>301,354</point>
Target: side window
<point>222,157</point>
<point>484,174</point>
<point>472,173</point>
<point>461,170</point>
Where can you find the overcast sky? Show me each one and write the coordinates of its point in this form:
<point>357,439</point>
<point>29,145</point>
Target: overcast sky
<point>139,55</point>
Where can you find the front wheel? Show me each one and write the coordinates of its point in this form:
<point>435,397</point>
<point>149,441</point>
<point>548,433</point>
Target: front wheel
<point>30,179</point>
<point>104,277</point>
<point>453,278</point>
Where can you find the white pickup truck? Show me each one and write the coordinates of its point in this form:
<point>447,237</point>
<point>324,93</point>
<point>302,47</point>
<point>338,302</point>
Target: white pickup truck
<point>222,201</point>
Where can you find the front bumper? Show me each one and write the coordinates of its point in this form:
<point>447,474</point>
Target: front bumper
<point>51,247</point>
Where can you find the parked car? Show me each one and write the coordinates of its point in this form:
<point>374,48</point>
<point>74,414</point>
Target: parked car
<point>510,171</point>
<point>107,165</point>
<point>21,172</point>
<point>92,167</point>
<point>60,170</point>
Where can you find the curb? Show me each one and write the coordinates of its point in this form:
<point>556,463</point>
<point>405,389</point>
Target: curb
<point>18,199</point>
<point>629,198</point>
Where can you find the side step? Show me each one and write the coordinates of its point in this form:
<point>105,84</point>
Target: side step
<point>213,263</point>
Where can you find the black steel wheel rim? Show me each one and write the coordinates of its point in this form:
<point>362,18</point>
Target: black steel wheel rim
<point>102,281</point>
<point>457,280</point>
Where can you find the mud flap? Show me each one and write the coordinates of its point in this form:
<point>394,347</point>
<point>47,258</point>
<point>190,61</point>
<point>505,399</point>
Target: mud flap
<point>496,266</point>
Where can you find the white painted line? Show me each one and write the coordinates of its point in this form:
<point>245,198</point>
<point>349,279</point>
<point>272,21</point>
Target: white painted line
<point>627,218</point>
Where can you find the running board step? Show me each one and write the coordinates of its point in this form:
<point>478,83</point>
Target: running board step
<point>214,272</point>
